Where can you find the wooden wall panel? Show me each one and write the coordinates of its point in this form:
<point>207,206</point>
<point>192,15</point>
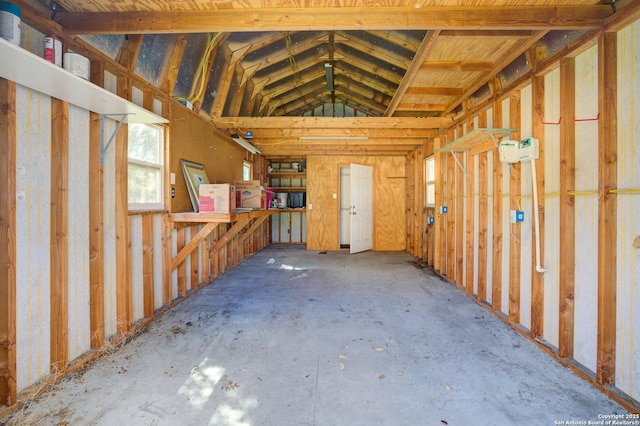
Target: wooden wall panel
<point>388,198</point>
<point>8,141</point>
<point>194,139</point>
<point>59,239</point>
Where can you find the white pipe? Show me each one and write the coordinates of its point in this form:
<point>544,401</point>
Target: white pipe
<point>536,220</point>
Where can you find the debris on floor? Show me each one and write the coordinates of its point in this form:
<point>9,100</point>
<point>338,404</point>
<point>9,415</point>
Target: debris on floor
<point>229,385</point>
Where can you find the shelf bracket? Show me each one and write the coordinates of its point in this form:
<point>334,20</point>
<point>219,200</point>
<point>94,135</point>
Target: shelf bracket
<point>495,141</point>
<point>464,171</point>
<point>103,147</point>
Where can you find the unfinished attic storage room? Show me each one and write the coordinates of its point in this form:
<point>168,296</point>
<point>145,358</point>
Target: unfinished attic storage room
<point>338,213</point>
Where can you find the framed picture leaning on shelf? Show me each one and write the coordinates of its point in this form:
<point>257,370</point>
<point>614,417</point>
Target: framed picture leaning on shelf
<point>194,175</point>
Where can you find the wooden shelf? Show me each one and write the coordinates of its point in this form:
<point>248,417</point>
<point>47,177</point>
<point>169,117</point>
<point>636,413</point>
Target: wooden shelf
<point>287,174</point>
<point>289,188</point>
<point>475,137</point>
<point>29,70</point>
<point>190,217</point>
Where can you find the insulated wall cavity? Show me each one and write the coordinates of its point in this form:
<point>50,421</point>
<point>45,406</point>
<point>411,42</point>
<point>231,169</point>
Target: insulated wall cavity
<point>109,229</point>
<point>586,208</point>
<point>527,237</point>
<point>552,206</point>
<point>137,278</point>
<point>628,255</point>
<point>78,225</point>
<point>33,200</point>
<point>506,225</point>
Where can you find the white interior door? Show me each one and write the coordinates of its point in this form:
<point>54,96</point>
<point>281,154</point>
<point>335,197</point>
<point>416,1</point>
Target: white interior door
<point>361,212</point>
<point>345,206</point>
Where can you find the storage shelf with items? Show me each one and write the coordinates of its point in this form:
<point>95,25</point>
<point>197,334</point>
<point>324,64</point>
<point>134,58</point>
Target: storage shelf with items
<point>288,180</point>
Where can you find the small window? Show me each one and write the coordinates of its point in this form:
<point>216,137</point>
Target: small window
<point>246,171</point>
<point>430,182</point>
<point>146,167</point>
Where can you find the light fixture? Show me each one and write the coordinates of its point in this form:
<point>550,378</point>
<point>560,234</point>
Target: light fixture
<point>246,145</point>
<point>333,138</point>
<point>328,71</point>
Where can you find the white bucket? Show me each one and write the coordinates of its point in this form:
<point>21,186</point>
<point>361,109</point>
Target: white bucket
<point>10,22</point>
<point>77,64</point>
<point>282,200</point>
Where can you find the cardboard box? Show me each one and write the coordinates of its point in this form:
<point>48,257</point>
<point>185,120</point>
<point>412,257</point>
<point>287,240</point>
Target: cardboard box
<point>244,184</point>
<point>253,197</point>
<point>217,198</point>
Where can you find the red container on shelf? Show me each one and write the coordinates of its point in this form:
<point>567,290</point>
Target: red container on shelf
<point>53,50</point>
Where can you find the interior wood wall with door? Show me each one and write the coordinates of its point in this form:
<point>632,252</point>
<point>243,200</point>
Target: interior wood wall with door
<point>584,307</point>
<point>323,181</point>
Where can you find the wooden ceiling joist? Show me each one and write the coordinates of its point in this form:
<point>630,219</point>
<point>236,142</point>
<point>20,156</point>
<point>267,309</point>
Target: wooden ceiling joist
<point>396,134</point>
<point>326,18</point>
<point>254,123</point>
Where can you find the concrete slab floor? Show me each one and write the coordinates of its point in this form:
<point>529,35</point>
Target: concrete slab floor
<point>295,337</point>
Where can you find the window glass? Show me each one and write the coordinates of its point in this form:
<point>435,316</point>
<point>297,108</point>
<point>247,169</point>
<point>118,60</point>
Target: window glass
<point>146,166</point>
<point>430,182</point>
<point>246,171</point>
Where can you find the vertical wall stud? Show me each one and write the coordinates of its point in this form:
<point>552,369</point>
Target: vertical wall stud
<point>96,221</point>
<point>496,267</point>
<point>124,290</point>
<point>567,206</point>
<point>483,218</point>
<point>147,264</point>
<point>607,221</point>
<point>514,190</point>
<point>8,140</point>
<point>59,253</point>
<point>537,280</point>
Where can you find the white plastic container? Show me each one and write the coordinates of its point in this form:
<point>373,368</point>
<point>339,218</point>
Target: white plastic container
<point>10,22</point>
<point>77,64</point>
<point>282,200</point>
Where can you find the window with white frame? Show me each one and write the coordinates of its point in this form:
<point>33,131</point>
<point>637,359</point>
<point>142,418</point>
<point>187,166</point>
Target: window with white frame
<point>146,166</point>
<point>246,170</point>
<point>430,181</point>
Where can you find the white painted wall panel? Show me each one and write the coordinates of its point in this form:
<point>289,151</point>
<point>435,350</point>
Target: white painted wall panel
<point>78,207</point>
<point>157,260</point>
<point>137,96</point>
<point>109,229</point>
<point>33,186</point>
<point>552,206</point>
<point>526,205</point>
<point>490,211</point>
<point>137,278</point>
<point>628,257</point>
<point>586,208</point>
<point>476,219</point>
<point>506,225</point>
<point>275,228</point>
